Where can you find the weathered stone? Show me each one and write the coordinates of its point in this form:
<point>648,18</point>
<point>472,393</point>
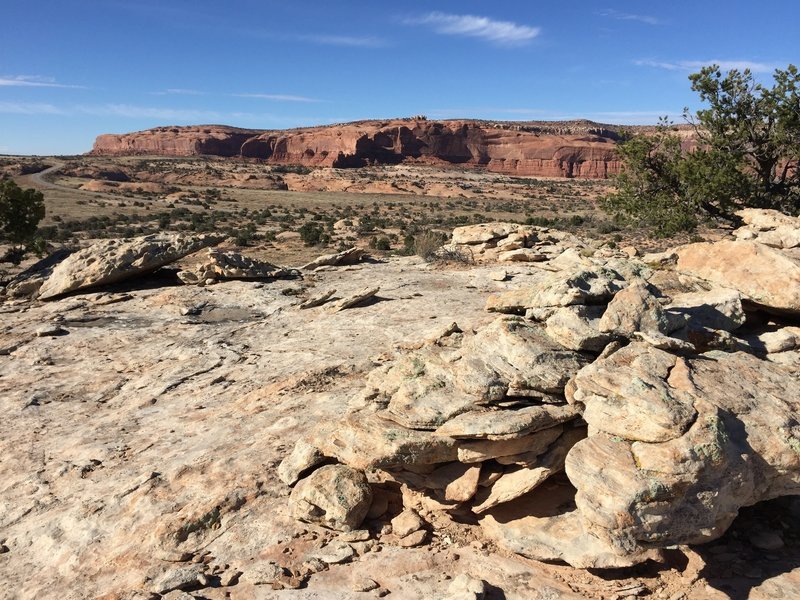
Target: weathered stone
<point>655,407</point>
<point>366,440</point>
<point>334,495</point>
<point>262,572</point>
<point>780,340</point>
<point>484,232</point>
<point>112,261</point>
<point>587,286</point>
<point>317,300</point>
<point>683,483</point>
<point>220,265</point>
<point>478,451</point>
<point>576,328</point>
<point>636,309</point>
<point>346,257</point>
<point>406,522</point>
<point>303,457</point>
<point>505,424</point>
<point>765,276</point>
<point>413,539</point>
<point>664,342</point>
<point>177,579</point>
<point>464,587</point>
<point>518,482</point>
<point>458,481</point>
<point>334,553</point>
<point>354,299</point>
<point>521,255</point>
<point>716,309</point>
<point>561,537</point>
<point>524,355</point>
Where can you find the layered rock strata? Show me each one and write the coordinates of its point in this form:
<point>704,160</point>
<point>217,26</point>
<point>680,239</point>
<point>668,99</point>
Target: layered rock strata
<point>668,400</point>
<point>582,150</point>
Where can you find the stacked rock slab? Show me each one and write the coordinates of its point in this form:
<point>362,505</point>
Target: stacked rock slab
<point>510,242</point>
<point>668,413</point>
<point>220,265</point>
<point>112,261</point>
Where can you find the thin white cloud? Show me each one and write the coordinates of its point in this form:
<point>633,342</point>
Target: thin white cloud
<point>33,81</point>
<point>504,33</point>
<point>694,65</point>
<point>343,40</point>
<point>623,16</point>
<point>278,97</point>
<point>35,108</point>
<point>146,112</point>
<point>178,92</point>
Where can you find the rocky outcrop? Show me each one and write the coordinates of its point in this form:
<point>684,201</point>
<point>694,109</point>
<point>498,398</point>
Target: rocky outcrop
<point>219,266</point>
<point>664,413</point>
<point>196,140</point>
<point>112,261</point>
<point>548,150</point>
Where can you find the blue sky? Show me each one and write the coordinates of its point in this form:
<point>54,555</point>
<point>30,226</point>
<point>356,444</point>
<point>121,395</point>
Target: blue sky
<point>72,69</point>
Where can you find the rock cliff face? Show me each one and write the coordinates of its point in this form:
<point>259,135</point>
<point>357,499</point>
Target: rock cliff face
<point>576,149</point>
<point>215,140</point>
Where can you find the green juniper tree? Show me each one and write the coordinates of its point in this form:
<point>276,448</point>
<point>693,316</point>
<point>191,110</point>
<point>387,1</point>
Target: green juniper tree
<point>20,213</point>
<point>747,154</point>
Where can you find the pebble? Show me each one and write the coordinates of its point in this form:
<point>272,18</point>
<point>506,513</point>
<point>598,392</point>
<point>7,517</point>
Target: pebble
<point>334,553</point>
<point>357,535</point>
<point>229,577</point>
<point>177,579</point>
<point>364,584</point>
<point>413,539</point>
<point>52,330</point>
<point>406,522</point>
<point>261,573</point>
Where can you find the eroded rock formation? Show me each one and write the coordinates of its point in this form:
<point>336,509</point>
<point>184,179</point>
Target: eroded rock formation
<point>580,149</point>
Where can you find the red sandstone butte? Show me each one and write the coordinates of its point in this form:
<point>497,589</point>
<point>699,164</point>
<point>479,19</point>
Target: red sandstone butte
<point>558,149</point>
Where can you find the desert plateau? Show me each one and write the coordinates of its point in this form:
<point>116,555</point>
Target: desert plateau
<point>343,301</point>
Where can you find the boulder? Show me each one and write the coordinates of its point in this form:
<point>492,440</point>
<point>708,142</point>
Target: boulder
<point>111,261</point>
<point>303,457</point>
<point>636,308</point>
<point>764,276</point>
<point>577,328</point>
<point>718,308</point>
<point>584,286</point>
<point>505,424</point>
<point>220,265</point>
<point>354,299</point>
<point>483,233</point>
<point>347,257</point>
<point>633,393</point>
<point>677,446</point>
<point>336,496</point>
<point>366,440</point>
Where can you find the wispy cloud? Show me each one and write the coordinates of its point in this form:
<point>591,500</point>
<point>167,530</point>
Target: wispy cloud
<point>278,97</point>
<point>343,40</point>
<point>504,33</point>
<point>623,16</point>
<point>35,108</point>
<point>693,65</point>
<point>178,92</point>
<point>33,81</point>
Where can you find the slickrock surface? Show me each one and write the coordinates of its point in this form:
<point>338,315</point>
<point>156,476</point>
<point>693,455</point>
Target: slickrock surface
<point>570,149</point>
<point>163,440</point>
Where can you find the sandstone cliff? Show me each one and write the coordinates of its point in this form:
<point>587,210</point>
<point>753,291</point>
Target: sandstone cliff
<point>567,149</point>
